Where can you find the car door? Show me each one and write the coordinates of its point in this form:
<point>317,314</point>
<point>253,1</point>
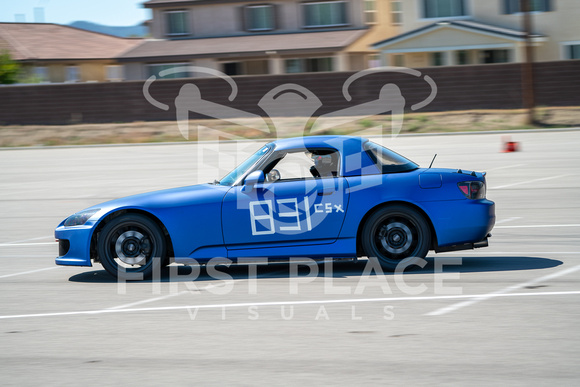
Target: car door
<point>294,208</point>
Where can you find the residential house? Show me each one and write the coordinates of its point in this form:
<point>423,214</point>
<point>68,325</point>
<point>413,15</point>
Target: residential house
<point>260,37</point>
<point>57,53</point>
<point>459,32</point>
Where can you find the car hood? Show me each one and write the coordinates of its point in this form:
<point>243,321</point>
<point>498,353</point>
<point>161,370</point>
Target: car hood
<point>174,197</point>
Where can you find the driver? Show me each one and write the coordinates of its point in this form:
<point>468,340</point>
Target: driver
<point>324,165</point>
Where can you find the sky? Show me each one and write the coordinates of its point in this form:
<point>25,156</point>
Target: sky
<point>108,12</point>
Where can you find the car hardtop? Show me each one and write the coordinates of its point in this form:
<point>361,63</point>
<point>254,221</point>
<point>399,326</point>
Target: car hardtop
<point>344,144</point>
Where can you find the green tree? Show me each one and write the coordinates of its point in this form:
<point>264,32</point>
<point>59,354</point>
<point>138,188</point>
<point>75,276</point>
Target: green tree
<point>8,69</point>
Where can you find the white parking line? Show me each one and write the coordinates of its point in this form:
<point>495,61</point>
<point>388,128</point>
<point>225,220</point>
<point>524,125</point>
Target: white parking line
<point>540,226</point>
<point>529,181</point>
<point>29,272</point>
<point>484,253</point>
<point>506,167</point>
<point>280,303</point>
<point>148,300</point>
<point>507,220</point>
<point>27,244</point>
<point>30,239</point>
<point>125,306</point>
<point>502,292</point>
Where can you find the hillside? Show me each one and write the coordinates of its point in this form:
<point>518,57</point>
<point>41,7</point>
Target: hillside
<point>123,32</point>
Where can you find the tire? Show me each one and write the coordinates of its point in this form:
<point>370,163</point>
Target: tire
<point>394,235</point>
<point>131,247</point>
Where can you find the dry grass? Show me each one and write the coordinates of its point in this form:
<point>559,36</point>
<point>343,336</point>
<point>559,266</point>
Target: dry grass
<point>144,132</point>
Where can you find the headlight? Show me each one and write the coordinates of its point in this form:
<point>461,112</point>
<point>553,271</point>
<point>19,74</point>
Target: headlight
<point>80,218</point>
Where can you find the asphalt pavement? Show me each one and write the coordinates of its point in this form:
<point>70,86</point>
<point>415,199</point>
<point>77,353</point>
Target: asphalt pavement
<point>503,315</point>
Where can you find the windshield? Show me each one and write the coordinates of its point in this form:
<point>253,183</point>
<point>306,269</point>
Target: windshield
<point>387,160</point>
<point>232,177</point>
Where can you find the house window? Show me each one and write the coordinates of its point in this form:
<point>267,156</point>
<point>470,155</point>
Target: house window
<point>496,56</point>
<point>168,70</point>
<point>72,74</point>
<point>318,64</point>
<point>41,74</point>
<point>374,60</point>
<point>396,12</point>
<point>310,65</point>
<point>573,51</point>
<point>437,59</point>
<point>260,17</point>
<point>370,11</point>
<point>399,60</point>
<point>233,68</point>
<point>514,6</point>
<point>325,14</point>
<point>114,73</point>
<point>293,66</point>
<point>177,23</point>
<point>443,8</point>
<point>462,57</point>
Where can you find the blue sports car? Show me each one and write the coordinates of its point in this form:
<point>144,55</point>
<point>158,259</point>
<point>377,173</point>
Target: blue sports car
<point>318,197</point>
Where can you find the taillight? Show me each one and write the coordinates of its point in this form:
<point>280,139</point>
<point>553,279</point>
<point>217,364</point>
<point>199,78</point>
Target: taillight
<point>472,189</point>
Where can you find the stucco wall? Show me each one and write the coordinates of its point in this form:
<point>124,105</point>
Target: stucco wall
<point>560,25</point>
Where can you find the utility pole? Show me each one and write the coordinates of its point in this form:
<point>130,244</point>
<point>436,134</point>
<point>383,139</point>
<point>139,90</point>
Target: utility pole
<point>528,98</point>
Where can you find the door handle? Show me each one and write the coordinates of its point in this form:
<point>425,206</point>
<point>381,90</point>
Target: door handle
<point>322,193</point>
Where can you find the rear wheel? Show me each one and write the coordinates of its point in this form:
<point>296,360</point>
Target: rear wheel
<point>131,247</point>
<point>395,235</point>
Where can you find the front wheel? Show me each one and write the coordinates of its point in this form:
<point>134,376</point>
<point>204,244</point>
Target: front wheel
<point>131,247</point>
<point>395,235</point>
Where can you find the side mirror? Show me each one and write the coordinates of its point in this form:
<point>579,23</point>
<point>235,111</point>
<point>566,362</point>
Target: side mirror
<point>273,175</point>
<point>256,177</point>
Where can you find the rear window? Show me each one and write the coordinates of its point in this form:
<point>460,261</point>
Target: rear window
<point>388,161</point>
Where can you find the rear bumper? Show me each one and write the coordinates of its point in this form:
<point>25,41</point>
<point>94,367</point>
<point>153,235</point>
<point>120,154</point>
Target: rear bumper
<point>464,246</point>
<point>465,224</point>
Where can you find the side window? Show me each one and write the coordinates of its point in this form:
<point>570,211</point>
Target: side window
<point>388,161</point>
<point>304,165</point>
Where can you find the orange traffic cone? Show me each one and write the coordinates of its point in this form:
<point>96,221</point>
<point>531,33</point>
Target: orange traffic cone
<point>509,145</point>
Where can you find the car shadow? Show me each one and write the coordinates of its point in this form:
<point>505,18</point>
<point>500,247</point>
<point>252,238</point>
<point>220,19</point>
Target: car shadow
<point>338,269</point>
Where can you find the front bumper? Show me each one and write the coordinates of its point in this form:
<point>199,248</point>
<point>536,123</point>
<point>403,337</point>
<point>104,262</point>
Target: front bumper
<point>74,245</point>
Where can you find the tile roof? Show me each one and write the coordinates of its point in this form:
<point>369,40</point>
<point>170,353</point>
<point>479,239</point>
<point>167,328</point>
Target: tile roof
<point>465,24</point>
<point>46,41</point>
<point>181,3</point>
<point>243,45</point>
